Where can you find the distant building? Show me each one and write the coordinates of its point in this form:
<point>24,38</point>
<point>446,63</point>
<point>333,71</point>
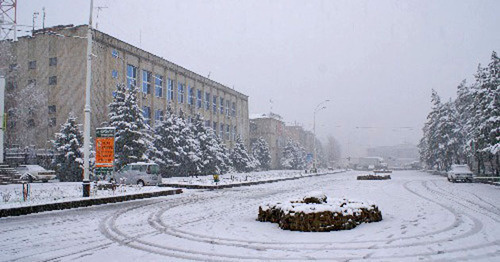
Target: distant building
<point>52,64</point>
<point>271,128</point>
<point>396,156</point>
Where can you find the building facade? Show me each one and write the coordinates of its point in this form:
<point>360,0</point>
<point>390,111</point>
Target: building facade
<point>46,82</point>
<point>271,128</point>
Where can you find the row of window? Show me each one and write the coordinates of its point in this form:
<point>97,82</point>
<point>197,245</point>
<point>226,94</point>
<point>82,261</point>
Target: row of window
<point>32,64</point>
<point>52,81</point>
<point>194,96</point>
<point>230,131</point>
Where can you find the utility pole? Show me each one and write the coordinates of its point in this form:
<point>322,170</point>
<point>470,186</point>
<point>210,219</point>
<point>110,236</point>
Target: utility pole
<point>43,18</point>
<point>35,15</point>
<point>86,126</point>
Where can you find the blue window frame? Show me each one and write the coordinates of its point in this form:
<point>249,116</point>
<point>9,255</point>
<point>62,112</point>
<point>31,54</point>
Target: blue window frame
<point>114,74</point>
<point>221,133</point>
<point>146,113</point>
<point>146,82</point>
<point>158,85</point>
<point>198,98</point>
<point>170,89</point>
<point>190,95</point>
<point>208,124</point>
<point>214,104</point>
<point>114,53</point>
<point>228,103</point>
<point>180,93</point>
<point>233,110</point>
<point>158,115</point>
<point>131,76</point>
<point>221,106</point>
<point>227,132</point>
<point>215,127</point>
<point>207,101</point>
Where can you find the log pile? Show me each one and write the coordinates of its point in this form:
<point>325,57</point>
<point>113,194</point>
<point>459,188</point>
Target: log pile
<point>316,214</point>
<point>374,177</point>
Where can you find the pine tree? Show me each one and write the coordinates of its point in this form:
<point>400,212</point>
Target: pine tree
<point>261,152</point>
<point>191,162</point>
<point>165,144</point>
<point>293,156</point>
<point>68,149</point>
<point>242,161</point>
<point>132,140</point>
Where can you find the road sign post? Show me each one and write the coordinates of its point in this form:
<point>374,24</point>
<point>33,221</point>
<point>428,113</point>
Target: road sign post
<point>105,151</point>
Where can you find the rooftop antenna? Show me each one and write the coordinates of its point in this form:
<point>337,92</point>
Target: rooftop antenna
<point>99,9</point>
<point>270,106</point>
<point>8,19</point>
<point>209,75</point>
<point>43,19</point>
<point>140,38</point>
<point>35,15</point>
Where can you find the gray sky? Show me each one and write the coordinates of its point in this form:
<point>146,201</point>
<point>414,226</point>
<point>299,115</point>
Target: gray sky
<point>377,61</point>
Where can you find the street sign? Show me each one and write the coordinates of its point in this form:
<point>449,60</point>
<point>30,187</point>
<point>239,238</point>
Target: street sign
<point>105,149</point>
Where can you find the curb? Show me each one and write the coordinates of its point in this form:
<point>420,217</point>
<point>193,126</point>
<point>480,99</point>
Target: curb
<point>18,211</point>
<point>245,183</point>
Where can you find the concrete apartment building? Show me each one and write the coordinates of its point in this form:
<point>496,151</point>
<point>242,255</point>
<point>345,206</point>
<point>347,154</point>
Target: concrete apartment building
<point>49,68</point>
<point>271,128</point>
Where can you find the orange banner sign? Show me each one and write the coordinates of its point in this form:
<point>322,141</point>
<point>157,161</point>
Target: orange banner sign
<point>104,151</point>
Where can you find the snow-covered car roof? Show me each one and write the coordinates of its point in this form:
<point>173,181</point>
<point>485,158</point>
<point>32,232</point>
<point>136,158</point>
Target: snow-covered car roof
<point>142,164</point>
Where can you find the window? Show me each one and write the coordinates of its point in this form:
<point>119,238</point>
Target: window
<point>12,67</point>
<point>146,113</point>
<point>52,80</point>
<point>158,115</point>
<point>146,82</point>
<point>214,104</point>
<point>52,109</point>
<point>180,93</point>
<point>11,85</point>
<point>114,74</point>
<point>31,122</point>
<point>207,101</point>
<point>32,65</point>
<point>53,61</point>
<point>215,127</point>
<point>32,82</point>
<point>114,53</point>
<point>234,133</point>
<point>170,89</point>
<point>190,95</point>
<point>158,85</point>
<point>52,121</point>
<point>198,98</point>
<point>233,110</point>
<point>221,106</point>
<point>221,133</point>
<point>131,76</point>
<point>227,132</point>
<point>207,124</point>
<point>227,107</point>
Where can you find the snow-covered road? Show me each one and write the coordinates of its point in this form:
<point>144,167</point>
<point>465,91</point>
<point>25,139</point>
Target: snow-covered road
<point>425,218</point>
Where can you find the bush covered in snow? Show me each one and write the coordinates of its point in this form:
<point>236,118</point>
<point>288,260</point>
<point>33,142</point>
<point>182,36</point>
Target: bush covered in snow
<point>373,177</point>
<point>316,213</point>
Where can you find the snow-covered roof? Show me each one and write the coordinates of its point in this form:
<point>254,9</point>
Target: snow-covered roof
<point>265,115</point>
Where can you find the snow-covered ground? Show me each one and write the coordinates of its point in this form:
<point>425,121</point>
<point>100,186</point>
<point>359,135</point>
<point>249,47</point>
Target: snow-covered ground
<point>42,193</point>
<point>425,218</point>
<point>238,178</point>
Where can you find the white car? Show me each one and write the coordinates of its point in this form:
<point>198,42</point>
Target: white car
<point>140,173</point>
<point>460,173</point>
<point>32,173</point>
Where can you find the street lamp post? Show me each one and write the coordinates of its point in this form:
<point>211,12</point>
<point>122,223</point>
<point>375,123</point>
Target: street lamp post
<point>86,126</point>
<point>319,107</point>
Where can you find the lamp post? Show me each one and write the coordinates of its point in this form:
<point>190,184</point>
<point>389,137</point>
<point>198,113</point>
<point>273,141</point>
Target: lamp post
<point>319,107</point>
<point>86,126</point>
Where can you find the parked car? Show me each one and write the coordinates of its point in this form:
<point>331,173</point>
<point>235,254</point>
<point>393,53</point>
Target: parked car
<point>460,173</point>
<point>32,173</point>
<point>141,173</point>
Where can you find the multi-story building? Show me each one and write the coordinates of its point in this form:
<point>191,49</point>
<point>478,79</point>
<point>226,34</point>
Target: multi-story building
<point>46,82</point>
<point>270,127</point>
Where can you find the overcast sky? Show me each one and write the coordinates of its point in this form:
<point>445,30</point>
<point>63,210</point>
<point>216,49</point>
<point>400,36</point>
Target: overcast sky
<point>377,61</point>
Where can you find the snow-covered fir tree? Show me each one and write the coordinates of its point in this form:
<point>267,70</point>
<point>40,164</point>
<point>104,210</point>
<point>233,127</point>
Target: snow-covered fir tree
<point>132,139</point>
<point>261,152</point>
<point>165,151</point>
<point>242,161</point>
<point>68,147</point>
<point>191,162</point>
<point>293,156</point>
